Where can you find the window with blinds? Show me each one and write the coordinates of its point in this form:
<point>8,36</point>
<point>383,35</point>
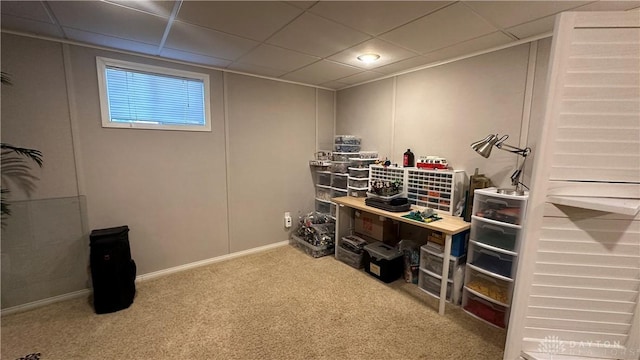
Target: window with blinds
<point>150,97</point>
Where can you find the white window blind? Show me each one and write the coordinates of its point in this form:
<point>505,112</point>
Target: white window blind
<point>143,96</point>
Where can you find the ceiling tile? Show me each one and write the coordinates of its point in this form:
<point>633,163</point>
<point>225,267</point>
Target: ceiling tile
<point>335,85</point>
<point>32,10</point>
<point>321,72</point>
<point>194,58</point>
<point>302,4</point>
<point>469,47</point>
<point>402,65</point>
<point>277,58</point>
<point>360,77</point>
<point>256,70</point>
<point>110,41</point>
<point>533,28</point>
<point>443,28</point>
<point>161,8</point>
<point>510,13</point>
<point>109,19</point>
<point>203,41</point>
<point>30,26</point>
<point>311,34</point>
<point>256,20</point>
<point>375,17</point>
<point>388,52</point>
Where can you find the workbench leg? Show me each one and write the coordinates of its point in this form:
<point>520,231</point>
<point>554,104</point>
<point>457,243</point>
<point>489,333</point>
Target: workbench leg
<point>445,273</point>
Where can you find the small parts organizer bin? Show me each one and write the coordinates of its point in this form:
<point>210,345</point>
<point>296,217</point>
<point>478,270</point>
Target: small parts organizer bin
<point>437,189</point>
<point>494,245</point>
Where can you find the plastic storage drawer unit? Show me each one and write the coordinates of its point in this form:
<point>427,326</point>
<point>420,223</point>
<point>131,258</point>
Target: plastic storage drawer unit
<point>495,289</point>
<point>492,261</point>
<point>477,306</point>
<point>499,208</point>
<point>383,261</point>
<point>433,262</point>
<point>431,284</point>
<point>498,235</point>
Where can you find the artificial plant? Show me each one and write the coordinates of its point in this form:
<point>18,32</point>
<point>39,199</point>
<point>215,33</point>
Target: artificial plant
<point>15,167</point>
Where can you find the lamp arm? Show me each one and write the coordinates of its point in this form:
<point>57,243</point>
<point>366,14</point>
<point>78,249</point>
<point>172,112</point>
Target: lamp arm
<point>512,149</point>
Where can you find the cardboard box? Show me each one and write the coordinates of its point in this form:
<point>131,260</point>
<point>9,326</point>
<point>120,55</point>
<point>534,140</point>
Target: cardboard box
<point>376,227</point>
<point>458,242</point>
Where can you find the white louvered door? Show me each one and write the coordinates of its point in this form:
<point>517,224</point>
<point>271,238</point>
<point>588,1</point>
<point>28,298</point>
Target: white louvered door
<point>578,289</point>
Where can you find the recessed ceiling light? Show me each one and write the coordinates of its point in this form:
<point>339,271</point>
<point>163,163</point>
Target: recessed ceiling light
<point>368,58</point>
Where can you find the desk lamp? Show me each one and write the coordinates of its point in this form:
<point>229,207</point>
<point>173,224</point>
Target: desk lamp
<point>484,146</point>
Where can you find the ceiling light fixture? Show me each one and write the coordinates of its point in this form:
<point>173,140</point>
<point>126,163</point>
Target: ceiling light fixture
<point>368,58</point>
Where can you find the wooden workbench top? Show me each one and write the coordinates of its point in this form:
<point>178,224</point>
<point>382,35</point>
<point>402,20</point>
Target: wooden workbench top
<point>449,224</point>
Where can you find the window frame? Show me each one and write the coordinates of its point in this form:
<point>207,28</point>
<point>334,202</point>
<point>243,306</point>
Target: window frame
<point>102,63</point>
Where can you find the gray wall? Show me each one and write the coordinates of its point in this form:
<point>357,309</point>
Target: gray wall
<point>443,109</point>
<point>190,196</point>
<point>187,196</point>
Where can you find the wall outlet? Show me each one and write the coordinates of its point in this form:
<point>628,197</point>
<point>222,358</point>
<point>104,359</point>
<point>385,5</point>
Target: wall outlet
<point>287,219</point>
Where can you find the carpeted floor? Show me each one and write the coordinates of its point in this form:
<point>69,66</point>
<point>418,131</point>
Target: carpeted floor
<point>278,304</point>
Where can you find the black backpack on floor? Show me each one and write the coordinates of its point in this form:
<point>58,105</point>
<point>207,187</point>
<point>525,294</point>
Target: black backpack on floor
<point>113,272</point>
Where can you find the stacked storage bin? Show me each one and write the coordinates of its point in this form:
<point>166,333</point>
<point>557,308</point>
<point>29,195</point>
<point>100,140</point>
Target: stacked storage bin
<point>322,176</point>
<point>359,173</point>
<point>346,147</point>
<point>494,245</point>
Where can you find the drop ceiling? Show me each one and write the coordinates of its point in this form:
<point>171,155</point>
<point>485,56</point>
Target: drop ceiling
<point>310,42</point>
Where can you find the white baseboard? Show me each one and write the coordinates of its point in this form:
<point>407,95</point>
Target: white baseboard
<point>140,278</point>
<point>173,270</point>
<point>43,302</point>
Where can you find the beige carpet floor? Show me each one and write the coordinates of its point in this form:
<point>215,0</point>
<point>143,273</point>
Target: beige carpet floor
<point>278,304</point>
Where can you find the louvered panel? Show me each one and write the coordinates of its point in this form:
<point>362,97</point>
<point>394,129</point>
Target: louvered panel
<point>602,79</point>
<point>589,259</point>
<point>582,293</point>
<point>585,282</point>
<point>583,315</point>
<point>598,120</point>
<point>586,270</point>
<point>589,246</point>
<point>603,65</point>
<point>615,161</point>
<point>601,107</point>
<point>588,225</point>
<point>577,325</point>
<point>599,35</point>
<point>597,147</point>
<point>594,134</point>
<point>601,92</point>
<point>576,336</point>
<point>590,174</point>
<point>607,49</point>
<point>582,304</point>
<point>607,238</point>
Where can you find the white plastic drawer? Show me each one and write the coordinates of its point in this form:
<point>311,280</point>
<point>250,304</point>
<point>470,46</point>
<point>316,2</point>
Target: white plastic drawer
<point>324,178</point>
<point>360,173</point>
<point>433,263</point>
<point>494,234</point>
<point>499,208</point>
<point>323,207</point>
<point>495,289</point>
<point>359,183</point>
<point>431,284</point>
<point>491,261</point>
<point>339,181</point>
<point>323,193</point>
<point>485,310</point>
